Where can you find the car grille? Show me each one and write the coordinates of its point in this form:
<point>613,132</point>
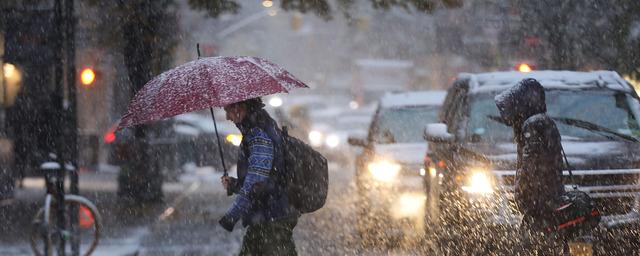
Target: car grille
<point>609,201</point>
<point>601,180</point>
<point>587,180</point>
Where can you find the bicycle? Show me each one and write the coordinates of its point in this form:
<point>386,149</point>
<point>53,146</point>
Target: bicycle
<point>49,226</point>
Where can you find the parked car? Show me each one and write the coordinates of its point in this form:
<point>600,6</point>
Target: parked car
<point>187,139</point>
<point>331,127</point>
<point>388,171</point>
<point>472,157</point>
<point>322,121</point>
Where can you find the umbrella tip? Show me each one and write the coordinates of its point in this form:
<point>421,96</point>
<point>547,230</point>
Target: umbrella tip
<point>198,49</point>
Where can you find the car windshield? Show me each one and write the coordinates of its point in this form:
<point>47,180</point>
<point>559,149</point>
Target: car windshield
<point>402,124</point>
<point>608,115</point>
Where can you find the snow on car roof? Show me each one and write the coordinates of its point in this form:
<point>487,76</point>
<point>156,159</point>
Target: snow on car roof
<point>384,63</point>
<point>497,81</point>
<point>415,98</point>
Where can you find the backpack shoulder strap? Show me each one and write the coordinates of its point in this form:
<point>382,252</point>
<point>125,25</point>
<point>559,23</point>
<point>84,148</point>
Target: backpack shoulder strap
<point>569,168</point>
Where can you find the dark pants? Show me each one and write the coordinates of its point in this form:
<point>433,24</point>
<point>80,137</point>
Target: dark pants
<point>270,238</point>
<point>535,241</point>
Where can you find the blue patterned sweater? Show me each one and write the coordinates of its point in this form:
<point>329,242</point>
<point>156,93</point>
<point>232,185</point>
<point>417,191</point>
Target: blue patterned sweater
<point>258,158</point>
<point>260,162</point>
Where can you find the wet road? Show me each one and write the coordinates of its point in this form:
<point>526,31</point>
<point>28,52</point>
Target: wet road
<point>193,229</point>
<point>186,223</point>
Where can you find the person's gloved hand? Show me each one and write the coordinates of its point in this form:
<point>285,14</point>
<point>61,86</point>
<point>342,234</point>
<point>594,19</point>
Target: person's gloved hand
<point>227,223</point>
<point>229,184</point>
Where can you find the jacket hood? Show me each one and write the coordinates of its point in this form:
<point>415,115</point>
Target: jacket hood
<point>521,101</point>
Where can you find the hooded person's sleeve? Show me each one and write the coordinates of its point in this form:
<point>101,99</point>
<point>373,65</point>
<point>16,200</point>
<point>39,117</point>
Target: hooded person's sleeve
<point>532,138</point>
<point>535,179</point>
<point>261,155</point>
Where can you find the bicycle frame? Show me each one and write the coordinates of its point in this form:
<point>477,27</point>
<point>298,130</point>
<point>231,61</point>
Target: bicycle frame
<point>55,188</point>
<point>60,206</point>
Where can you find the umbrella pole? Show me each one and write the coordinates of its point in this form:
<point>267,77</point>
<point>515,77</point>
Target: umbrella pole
<point>215,126</point>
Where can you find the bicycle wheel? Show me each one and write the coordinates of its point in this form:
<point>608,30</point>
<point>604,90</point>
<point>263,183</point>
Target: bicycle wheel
<point>88,227</point>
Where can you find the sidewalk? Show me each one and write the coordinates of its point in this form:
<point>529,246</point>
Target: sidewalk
<point>125,230</point>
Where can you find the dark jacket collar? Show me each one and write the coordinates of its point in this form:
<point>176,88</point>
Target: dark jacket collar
<point>257,118</point>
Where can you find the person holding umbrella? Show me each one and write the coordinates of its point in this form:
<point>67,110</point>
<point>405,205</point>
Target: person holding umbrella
<point>236,84</point>
<point>261,202</point>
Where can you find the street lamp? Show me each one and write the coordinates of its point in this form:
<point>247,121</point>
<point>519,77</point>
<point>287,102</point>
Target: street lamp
<point>9,70</point>
<point>267,3</point>
<point>11,78</point>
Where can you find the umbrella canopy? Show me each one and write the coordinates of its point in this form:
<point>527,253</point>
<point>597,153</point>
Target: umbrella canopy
<point>205,83</point>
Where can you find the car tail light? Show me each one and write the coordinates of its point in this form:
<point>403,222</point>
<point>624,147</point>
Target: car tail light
<point>110,135</point>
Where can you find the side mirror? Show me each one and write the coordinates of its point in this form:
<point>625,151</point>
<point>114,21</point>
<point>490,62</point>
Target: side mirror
<point>437,132</point>
<point>358,142</point>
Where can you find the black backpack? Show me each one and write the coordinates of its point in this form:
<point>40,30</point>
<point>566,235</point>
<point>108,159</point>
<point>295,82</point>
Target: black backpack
<point>306,175</point>
<point>577,214</point>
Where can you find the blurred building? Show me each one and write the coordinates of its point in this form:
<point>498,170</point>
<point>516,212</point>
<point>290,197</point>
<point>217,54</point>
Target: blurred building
<point>27,36</point>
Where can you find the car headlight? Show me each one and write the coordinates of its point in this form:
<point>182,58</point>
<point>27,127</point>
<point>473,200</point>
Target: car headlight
<point>235,139</point>
<point>479,182</point>
<point>332,141</point>
<point>275,102</point>
<point>384,170</point>
<point>315,138</point>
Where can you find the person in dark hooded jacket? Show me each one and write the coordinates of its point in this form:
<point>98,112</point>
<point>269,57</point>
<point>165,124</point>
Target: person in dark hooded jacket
<point>262,202</point>
<point>538,184</point>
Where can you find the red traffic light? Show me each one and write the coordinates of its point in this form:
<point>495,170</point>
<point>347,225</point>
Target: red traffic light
<point>87,77</point>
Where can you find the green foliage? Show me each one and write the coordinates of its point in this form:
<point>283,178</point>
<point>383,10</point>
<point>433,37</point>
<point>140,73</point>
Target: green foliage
<point>323,8</point>
<point>215,8</point>
<point>582,34</point>
<point>154,23</point>
<point>319,7</point>
<point>421,5</point>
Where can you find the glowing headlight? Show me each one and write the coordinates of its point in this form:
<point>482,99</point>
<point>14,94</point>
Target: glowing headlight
<point>384,170</point>
<point>275,102</point>
<point>479,182</point>
<point>315,138</point>
<point>332,141</point>
<point>235,139</point>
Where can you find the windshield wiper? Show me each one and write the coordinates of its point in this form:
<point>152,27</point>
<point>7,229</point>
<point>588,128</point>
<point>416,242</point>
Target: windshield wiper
<point>593,127</point>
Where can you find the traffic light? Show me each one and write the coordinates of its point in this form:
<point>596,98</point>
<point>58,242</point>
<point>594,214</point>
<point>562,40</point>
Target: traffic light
<point>87,77</point>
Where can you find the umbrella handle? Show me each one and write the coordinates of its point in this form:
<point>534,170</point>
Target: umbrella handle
<point>224,166</point>
<point>229,191</point>
<point>215,126</point>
